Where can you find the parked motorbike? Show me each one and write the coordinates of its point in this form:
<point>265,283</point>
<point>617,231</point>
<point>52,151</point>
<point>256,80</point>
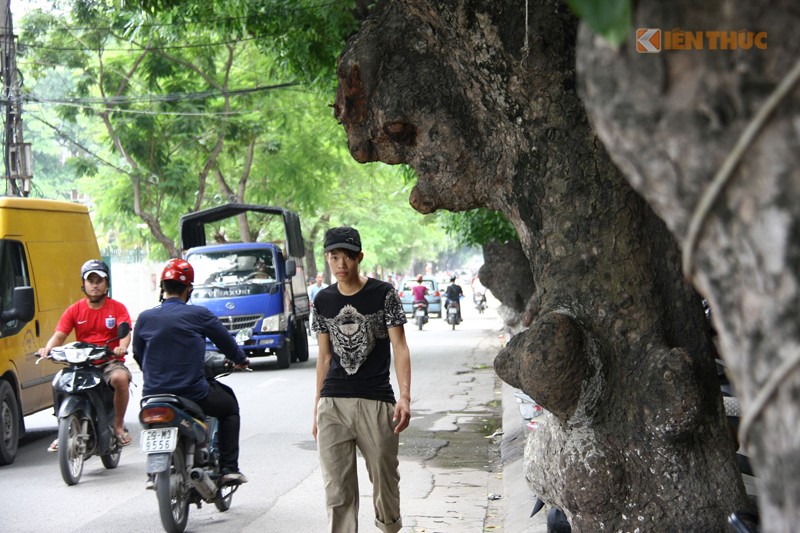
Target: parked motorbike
<point>181,444</point>
<point>528,409</point>
<point>421,313</point>
<point>85,407</point>
<point>479,299</point>
<point>742,520</point>
<point>452,314</point>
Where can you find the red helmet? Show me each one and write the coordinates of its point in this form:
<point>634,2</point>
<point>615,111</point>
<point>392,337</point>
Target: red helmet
<point>178,270</point>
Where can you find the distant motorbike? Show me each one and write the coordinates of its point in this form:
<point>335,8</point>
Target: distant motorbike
<point>85,407</point>
<point>479,299</point>
<point>452,314</point>
<point>181,444</point>
<point>421,313</point>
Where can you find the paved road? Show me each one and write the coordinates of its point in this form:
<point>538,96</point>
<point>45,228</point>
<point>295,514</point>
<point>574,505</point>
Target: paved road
<point>449,467</point>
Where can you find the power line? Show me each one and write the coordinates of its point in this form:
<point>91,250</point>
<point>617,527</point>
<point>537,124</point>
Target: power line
<point>165,98</point>
<point>159,113</point>
<point>79,145</point>
<point>133,47</point>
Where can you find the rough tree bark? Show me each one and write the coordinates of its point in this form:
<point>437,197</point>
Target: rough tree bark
<point>507,273</point>
<point>670,120</point>
<point>488,115</point>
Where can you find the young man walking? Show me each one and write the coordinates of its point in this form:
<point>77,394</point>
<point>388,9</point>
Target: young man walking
<point>359,322</point>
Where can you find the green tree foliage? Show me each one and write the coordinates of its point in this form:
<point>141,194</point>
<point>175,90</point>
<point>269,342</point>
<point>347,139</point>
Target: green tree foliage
<point>610,18</point>
<point>478,226</point>
<point>185,105</point>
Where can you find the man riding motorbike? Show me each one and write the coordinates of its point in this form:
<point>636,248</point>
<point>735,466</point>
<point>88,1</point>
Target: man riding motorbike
<point>95,320</point>
<point>453,293</point>
<point>169,344</point>
<point>419,291</point>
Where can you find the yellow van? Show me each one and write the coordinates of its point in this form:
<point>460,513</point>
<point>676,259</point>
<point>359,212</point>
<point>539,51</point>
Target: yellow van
<point>43,244</point>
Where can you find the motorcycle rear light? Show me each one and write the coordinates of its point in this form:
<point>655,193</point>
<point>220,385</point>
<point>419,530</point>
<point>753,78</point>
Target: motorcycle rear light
<point>400,294</point>
<point>156,415</point>
<point>436,293</point>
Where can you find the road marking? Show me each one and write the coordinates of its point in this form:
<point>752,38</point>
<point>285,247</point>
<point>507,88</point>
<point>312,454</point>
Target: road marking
<point>270,382</point>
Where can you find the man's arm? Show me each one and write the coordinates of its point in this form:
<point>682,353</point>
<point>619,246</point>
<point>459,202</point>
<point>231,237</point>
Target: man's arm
<point>323,364</point>
<point>57,339</point>
<point>402,368</point>
<point>138,344</point>
<point>214,330</point>
<point>125,342</point>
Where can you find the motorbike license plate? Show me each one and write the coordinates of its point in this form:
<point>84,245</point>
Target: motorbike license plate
<point>159,440</point>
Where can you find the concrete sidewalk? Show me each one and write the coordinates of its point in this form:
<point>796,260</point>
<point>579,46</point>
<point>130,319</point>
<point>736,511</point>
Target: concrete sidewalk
<point>460,463</point>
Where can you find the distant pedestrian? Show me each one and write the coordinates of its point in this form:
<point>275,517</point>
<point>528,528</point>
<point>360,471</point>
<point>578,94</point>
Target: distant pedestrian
<point>313,289</point>
<point>316,287</point>
<point>359,322</point>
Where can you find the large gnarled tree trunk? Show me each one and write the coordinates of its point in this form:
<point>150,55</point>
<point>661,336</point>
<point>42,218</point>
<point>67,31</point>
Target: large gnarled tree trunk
<point>488,115</point>
<point>670,120</point>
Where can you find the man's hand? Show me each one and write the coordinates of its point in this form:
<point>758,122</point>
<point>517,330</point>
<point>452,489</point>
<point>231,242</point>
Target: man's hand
<point>244,365</point>
<point>119,350</point>
<point>402,415</point>
<point>43,352</point>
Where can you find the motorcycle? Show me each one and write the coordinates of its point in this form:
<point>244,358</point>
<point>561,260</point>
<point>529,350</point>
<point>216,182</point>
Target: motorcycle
<point>85,407</point>
<point>182,448</point>
<point>479,299</point>
<point>421,313</point>
<point>452,314</point>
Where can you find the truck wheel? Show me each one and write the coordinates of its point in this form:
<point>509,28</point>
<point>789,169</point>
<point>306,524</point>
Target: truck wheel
<point>284,354</point>
<point>9,424</point>
<point>300,342</point>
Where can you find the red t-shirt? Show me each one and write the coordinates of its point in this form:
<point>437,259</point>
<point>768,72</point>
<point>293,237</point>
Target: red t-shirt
<point>96,326</point>
<point>419,292</point>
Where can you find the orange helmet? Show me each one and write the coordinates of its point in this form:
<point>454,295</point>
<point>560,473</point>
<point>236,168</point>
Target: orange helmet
<point>178,270</point>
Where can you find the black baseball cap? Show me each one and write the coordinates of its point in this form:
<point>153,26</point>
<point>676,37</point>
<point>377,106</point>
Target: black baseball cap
<point>342,237</point>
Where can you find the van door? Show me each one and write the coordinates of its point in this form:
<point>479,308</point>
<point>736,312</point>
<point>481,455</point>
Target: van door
<point>17,338</point>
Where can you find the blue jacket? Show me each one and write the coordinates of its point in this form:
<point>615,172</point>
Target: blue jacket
<point>169,343</point>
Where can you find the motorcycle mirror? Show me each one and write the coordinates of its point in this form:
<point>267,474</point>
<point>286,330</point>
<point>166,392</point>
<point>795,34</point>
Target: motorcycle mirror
<point>123,330</point>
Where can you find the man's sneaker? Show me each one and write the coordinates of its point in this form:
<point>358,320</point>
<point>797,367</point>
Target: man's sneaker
<point>150,484</point>
<point>233,478</point>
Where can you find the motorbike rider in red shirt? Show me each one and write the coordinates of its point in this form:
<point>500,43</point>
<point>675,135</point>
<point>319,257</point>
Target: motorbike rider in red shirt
<point>95,320</point>
<point>419,291</point>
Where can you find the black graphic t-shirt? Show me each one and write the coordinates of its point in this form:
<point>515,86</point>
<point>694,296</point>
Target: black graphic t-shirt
<point>358,328</point>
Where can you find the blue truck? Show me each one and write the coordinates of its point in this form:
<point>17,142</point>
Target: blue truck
<point>257,289</point>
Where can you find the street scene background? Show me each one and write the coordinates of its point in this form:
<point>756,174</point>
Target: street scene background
<point>453,478</point>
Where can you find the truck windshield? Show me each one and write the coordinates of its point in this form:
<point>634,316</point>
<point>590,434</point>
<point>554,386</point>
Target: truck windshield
<point>233,268</point>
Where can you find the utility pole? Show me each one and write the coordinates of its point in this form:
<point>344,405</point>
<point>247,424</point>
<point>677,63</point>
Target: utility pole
<point>16,154</point>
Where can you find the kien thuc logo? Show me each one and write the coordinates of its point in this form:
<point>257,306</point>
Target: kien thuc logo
<point>653,40</point>
<point>648,40</point>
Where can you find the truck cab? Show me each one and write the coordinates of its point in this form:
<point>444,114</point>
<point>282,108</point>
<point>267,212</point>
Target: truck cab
<point>257,289</point>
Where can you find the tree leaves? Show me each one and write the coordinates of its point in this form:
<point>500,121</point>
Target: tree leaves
<point>610,18</point>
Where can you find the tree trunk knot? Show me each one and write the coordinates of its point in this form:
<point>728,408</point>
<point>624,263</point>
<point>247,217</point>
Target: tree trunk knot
<point>548,362</point>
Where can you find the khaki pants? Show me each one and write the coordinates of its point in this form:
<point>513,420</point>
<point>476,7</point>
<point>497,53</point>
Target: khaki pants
<point>342,425</point>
